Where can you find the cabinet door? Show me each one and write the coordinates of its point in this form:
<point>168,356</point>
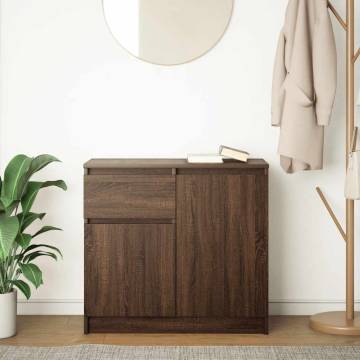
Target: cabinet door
<point>245,250</point>
<point>129,270</point>
<point>200,246</point>
<point>222,245</point>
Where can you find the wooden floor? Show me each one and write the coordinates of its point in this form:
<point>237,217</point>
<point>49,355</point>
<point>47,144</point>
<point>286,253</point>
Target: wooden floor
<point>68,330</point>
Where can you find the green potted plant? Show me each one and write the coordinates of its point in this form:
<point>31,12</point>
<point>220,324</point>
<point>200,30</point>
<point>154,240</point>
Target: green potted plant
<point>18,252</point>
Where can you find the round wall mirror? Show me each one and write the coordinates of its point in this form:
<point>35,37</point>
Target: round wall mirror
<point>168,32</point>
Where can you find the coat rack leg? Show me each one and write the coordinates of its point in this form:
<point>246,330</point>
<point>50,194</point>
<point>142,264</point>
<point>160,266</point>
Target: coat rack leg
<point>337,15</point>
<point>331,212</point>
<point>357,54</point>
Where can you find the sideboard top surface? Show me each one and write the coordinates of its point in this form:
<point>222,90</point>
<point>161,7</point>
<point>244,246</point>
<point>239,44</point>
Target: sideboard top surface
<point>170,163</point>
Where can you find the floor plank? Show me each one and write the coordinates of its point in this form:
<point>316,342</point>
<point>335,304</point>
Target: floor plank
<point>68,330</point>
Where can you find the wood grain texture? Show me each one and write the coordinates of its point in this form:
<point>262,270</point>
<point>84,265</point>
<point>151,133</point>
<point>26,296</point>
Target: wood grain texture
<point>222,245</point>
<point>262,244</point>
<point>245,246</point>
<point>131,221</point>
<point>68,330</point>
<point>127,171</point>
<point>240,246</point>
<point>129,270</point>
<point>220,171</point>
<point>170,163</point>
<point>200,249</point>
<point>213,275</point>
<point>127,196</point>
<point>176,325</point>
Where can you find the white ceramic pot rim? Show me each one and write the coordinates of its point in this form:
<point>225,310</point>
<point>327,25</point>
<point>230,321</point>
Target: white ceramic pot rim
<point>9,293</point>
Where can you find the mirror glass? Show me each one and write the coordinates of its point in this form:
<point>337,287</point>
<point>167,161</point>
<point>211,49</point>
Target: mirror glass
<point>168,32</point>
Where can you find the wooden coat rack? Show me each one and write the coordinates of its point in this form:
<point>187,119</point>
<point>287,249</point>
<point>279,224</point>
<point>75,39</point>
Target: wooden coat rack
<point>344,322</point>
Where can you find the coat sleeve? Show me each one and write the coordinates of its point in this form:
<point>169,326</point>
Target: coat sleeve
<point>324,67</point>
<point>278,82</point>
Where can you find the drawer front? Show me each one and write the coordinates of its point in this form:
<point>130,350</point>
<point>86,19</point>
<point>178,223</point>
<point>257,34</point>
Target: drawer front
<point>129,197</point>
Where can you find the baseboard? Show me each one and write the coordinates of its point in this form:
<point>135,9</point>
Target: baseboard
<point>51,307</point>
<point>306,307</point>
<point>276,307</point>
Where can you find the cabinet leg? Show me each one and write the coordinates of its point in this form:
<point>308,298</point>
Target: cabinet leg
<point>266,326</point>
<point>86,324</point>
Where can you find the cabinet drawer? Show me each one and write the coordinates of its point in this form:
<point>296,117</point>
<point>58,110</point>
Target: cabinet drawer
<point>129,197</point>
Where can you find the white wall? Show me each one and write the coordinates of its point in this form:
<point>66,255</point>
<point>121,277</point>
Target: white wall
<point>68,89</point>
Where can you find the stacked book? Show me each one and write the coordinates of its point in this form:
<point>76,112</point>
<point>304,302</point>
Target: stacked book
<point>225,154</point>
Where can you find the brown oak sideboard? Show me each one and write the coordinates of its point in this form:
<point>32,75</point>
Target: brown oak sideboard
<point>176,247</point>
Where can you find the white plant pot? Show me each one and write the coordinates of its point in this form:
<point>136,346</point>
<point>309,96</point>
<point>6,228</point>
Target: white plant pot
<point>8,310</point>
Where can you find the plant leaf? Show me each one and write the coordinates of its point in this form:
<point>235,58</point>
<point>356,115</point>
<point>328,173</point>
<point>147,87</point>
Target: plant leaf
<point>32,190</point>
<point>46,229</point>
<point>32,273</point>
<point>9,227</point>
<point>11,207</point>
<point>18,257</point>
<point>32,256</point>
<point>15,177</point>
<point>23,240</point>
<point>36,246</point>
<point>29,197</point>
<point>58,183</point>
<point>39,162</point>
<point>23,287</point>
<point>2,207</point>
<point>8,206</point>
<point>27,219</point>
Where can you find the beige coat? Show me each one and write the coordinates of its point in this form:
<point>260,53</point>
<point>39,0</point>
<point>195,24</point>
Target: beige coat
<point>304,84</point>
